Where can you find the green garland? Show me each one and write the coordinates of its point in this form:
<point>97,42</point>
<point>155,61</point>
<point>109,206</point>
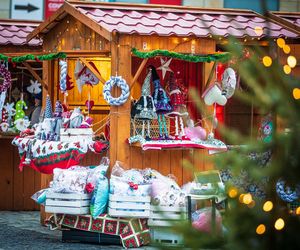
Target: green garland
<point>30,57</point>
<point>218,57</point>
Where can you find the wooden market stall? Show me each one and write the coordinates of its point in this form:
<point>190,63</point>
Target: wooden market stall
<point>17,187</point>
<point>106,33</point>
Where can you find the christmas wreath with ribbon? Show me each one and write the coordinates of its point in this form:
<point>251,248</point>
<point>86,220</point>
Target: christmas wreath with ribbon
<point>119,82</point>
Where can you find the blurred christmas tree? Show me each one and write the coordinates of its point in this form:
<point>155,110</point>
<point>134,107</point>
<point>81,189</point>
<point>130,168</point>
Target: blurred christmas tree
<point>256,217</point>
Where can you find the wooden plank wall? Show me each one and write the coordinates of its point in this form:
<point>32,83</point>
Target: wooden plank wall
<point>16,187</point>
<point>166,161</point>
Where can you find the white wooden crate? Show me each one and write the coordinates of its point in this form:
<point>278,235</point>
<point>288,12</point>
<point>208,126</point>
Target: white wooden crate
<point>76,134</point>
<point>129,206</point>
<point>67,203</point>
<point>165,237</point>
<point>164,216</point>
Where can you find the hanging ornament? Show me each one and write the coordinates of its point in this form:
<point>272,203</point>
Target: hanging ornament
<point>84,75</point>
<point>48,109</point>
<point>35,87</point>
<point>165,67</point>
<point>228,82</point>
<point>20,105</point>
<point>63,76</point>
<point>4,72</point>
<point>122,84</point>
<point>213,94</point>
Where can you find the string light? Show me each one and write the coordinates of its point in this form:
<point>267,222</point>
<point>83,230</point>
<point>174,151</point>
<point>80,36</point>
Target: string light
<point>279,224</point>
<point>298,211</point>
<point>280,42</point>
<point>292,61</point>
<point>267,61</point>
<point>268,206</point>
<point>233,192</point>
<point>251,204</point>
<point>247,199</point>
<point>286,49</point>
<point>287,69</point>
<point>296,95</point>
<point>261,229</point>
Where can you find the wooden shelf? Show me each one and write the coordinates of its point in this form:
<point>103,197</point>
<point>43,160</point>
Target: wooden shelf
<point>8,135</point>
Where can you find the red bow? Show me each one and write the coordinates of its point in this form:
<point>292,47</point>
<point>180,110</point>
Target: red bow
<point>89,187</point>
<point>133,186</point>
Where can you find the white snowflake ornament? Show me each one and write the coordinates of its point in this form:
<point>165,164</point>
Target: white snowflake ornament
<point>35,87</point>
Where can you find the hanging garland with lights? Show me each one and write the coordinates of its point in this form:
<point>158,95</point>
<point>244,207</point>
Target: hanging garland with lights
<point>30,57</point>
<point>217,57</point>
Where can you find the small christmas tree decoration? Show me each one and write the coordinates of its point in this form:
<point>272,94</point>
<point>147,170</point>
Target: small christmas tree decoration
<point>48,109</point>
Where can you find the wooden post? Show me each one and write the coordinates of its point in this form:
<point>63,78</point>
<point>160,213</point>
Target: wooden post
<point>35,75</point>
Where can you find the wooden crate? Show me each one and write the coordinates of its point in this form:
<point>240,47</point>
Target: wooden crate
<point>76,134</point>
<point>129,206</point>
<point>166,237</point>
<point>67,203</point>
<point>164,216</point>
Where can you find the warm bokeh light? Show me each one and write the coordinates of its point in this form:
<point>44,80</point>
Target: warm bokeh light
<point>247,199</point>
<point>268,206</point>
<point>287,69</point>
<point>296,93</point>
<point>292,61</point>
<point>267,61</point>
<point>280,42</point>
<point>298,211</point>
<point>286,49</point>
<point>251,204</point>
<point>241,197</point>
<point>261,229</point>
<point>279,224</point>
<point>258,30</point>
<point>233,192</point>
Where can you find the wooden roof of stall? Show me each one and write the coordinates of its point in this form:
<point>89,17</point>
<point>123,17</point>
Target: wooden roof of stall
<point>107,18</point>
<point>289,19</point>
<point>14,32</point>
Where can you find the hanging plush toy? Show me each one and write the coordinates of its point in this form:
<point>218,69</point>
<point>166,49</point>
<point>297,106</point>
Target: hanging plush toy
<point>83,75</point>
<point>20,105</point>
<point>58,119</point>
<point>144,108</point>
<point>76,118</point>
<point>34,88</point>
<point>162,104</point>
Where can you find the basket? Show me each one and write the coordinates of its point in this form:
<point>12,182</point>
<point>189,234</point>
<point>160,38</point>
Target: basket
<point>136,127</point>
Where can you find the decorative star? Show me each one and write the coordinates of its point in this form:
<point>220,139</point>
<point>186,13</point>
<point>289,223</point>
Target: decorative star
<point>164,66</point>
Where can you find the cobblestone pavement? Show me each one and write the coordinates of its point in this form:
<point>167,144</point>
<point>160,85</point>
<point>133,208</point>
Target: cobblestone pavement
<point>22,230</point>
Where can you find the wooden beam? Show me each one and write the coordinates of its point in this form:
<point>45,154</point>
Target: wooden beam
<point>138,72</point>
<point>90,67</point>
<point>211,74</point>
<point>35,75</point>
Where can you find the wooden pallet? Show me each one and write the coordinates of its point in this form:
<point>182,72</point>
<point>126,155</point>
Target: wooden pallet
<point>165,237</point>
<point>67,203</point>
<point>164,216</point>
<point>129,206</point>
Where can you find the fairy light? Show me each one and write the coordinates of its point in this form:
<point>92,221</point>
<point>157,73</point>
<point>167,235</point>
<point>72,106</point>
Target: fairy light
<point>267,61</point>
<point>251,204</point>
<point>298,211</point>
<point>292,61</point>
<point>241,197</point>
<point>268,206</point>
<point>287,69</point>
<point>233,192</point>
<point>296,95</point>
<point>279,224</point>
<point>280,42</point>
<point>247,199</point>
<point>258,30</point>
<point>261,229</point>
<point>286,49</point>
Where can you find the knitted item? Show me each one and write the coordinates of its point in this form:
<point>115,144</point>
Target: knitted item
<point>144,108</point>
<point>58,109</point>
<point>48,110</point>
<point>160,97</point>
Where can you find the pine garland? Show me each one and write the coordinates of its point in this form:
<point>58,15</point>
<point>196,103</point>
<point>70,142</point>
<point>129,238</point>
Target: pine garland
<point>218,57</point>
<point>30,57</point>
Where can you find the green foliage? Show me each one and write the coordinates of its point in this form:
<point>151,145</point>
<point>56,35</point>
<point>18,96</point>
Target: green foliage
<point>30,57</point>
<point>218,57</point>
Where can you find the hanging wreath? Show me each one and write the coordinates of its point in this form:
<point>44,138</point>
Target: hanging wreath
<point>119,82</point>
<point>6,78</point>
<point>285,193</point>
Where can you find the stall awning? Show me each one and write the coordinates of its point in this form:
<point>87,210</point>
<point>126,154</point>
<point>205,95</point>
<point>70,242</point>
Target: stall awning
<point>14,32</point>
<point>106,18</point>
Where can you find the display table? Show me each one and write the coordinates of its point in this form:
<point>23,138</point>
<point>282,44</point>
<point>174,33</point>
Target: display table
<point>132,231</point>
